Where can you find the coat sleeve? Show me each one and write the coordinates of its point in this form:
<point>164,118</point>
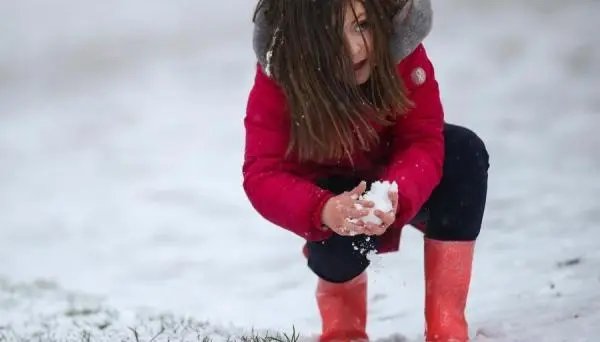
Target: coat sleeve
<point>417,157</point>
<point>270,182</point>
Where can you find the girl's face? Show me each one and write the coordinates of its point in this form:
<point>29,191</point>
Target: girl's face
<point>359,39</point>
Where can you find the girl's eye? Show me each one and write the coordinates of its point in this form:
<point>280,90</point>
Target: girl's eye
<point>361,26</point>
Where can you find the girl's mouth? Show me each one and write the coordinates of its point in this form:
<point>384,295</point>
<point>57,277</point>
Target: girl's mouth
<point>360,65</point>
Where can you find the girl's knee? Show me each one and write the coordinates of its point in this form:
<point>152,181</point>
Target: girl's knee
<point>339,259</point>
<point>466,153</point>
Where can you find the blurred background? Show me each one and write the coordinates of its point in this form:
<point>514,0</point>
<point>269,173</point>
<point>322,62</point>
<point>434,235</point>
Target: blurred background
<point>121,144</point>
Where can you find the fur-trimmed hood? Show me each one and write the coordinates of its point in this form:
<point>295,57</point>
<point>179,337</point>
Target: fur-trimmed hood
<point>411,25</point>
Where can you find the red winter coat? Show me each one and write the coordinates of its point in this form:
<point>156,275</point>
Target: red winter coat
<point>411,152</point>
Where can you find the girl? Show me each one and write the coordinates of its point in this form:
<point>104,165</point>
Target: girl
<point>345,95</point>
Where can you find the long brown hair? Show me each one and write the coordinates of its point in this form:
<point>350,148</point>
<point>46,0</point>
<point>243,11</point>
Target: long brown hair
<point>331,116</point>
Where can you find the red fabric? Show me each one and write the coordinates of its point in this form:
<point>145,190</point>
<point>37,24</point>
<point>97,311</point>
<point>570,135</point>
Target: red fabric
<point>284,192</point>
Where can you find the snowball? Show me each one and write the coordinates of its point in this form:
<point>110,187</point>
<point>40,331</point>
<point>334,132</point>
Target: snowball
<point>379,195</point>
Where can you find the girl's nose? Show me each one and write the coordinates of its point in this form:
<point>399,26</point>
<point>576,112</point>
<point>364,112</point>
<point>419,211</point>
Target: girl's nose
<point>356,45</point>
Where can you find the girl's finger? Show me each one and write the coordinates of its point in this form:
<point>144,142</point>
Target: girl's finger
<point>374,229</point>
<point>365,203</point>
<point>370,228</point>
<point>354,228</point>
<point>379,214</point>
<point>394,198</point>
<point>359,189</point>
<point>387,218</point>
<point>342,230</point>
<point>354,213</point>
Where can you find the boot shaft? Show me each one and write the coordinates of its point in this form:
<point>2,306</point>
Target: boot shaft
<point>343,309</point>
<point>448,267</point>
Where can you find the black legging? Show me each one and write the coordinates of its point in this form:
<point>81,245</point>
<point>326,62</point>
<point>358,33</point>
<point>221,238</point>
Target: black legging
<point>453,212</point>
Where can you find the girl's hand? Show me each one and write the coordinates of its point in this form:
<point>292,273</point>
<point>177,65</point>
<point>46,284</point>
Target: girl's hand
<point>341,215</point>
<point>387,219</point>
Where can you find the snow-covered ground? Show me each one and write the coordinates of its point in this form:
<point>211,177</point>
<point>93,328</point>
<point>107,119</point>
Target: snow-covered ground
<point>120,150</point>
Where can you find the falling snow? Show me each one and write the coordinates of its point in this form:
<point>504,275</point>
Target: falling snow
<point>121,140</point>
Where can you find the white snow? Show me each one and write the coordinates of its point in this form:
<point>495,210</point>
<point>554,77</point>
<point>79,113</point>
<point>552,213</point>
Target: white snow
<point>379,194</point>
<point>121,142</point>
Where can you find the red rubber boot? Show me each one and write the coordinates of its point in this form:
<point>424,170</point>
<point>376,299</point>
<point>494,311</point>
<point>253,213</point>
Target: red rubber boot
<point>343,309</point>
<point>448,268</point>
